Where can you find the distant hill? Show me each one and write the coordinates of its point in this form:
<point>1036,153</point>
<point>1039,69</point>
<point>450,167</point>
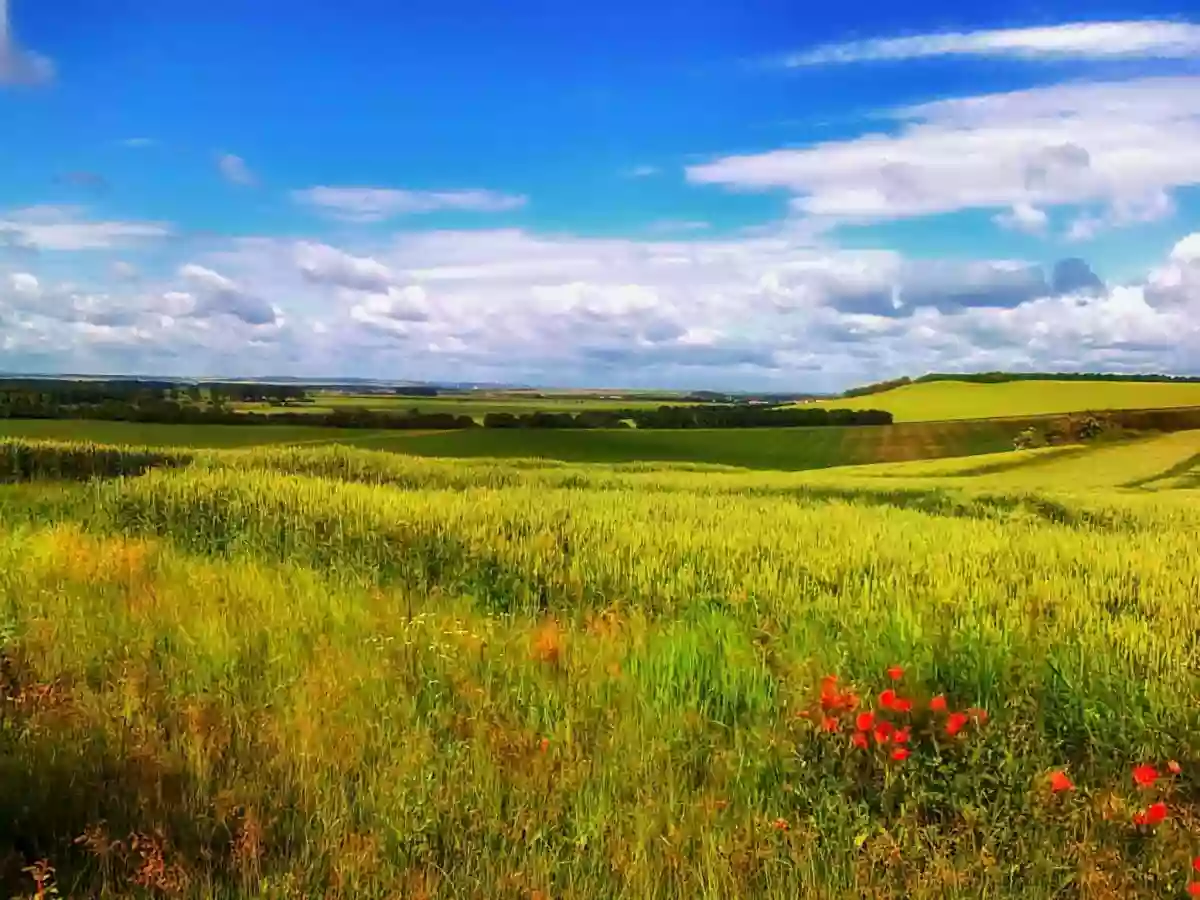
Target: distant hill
<point>1004,377</point>
<point>939,398</point>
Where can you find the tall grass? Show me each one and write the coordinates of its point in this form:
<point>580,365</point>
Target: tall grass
<point>321,672</point>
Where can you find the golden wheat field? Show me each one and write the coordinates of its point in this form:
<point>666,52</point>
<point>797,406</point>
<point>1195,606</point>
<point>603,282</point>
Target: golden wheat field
<point>330,672</point>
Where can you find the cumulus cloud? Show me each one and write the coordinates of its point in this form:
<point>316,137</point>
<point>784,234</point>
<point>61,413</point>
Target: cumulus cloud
<point>1122,145</point>
<point>66,228</point>
<point>1075,276</point>
<point>774,310</point>
<point>323,264</point>
<point>1082,40</point>
<point>216,295</point>
<point>372,204</point>
<point>234,169</point>
<point>1023,217</point>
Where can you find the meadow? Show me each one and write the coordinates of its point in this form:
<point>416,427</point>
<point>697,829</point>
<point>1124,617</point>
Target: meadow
<point>939,400</point>
<point>329,671</point>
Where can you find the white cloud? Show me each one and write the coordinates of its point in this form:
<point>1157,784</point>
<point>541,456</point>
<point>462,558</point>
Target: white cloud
<point>369,204</point>
<point>234,169</point>
<point>1082,40</point>
<point>19,66</point>
<point>64,228</point>
<point>1122,144</point>
<point>24,284</point>
<point>324,264</point>
<point>773,310</point>
<point>123,270</point>
<point>1023,217</point>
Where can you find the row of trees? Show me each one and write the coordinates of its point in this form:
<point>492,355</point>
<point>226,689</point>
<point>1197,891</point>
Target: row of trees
<point>157,409</point>
<point>693,417</point>
<point>1001,377</point>
<point>63,392</point>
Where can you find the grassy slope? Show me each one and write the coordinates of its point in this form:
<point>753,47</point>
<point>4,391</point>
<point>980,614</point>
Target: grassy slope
<point>938,400</point>
<point>580,682</point>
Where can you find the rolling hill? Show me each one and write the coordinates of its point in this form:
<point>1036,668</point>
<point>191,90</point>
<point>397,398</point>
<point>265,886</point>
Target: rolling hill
<point>944,400</point>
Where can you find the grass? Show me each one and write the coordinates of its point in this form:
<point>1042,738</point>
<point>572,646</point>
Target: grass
<point>326,671</point>
<point>941,400</point>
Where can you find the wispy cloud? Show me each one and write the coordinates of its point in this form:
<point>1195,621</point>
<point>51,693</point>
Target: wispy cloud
<point>1084,40</point>
<point>642,171</point>
<point>19,66</point>
<point>369,204</point>
<point>64,228</point>
<point>667,226</point>
<point>234,169</point>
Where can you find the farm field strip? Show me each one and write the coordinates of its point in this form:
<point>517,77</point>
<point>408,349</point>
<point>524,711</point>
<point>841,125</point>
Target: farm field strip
<point>950,400</point>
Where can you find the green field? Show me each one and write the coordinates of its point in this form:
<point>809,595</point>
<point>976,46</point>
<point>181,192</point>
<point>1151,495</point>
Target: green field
<point>329,672</point>
<point>786,449</point>
<point>163,435</point>
<point>940,400</point>
<point>459,404</point>
<point>766,448</point>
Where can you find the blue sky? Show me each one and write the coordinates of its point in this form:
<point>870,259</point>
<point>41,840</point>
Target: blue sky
<point>687,194</point>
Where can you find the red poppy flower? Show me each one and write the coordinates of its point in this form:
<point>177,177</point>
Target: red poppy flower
<point>887,699</point>
<point>1174,768</point>
<point>829,693</point>
<point>780,825</point>
<point>979,715</point>
<point>938,703</point>
<point>895,673</point>
<point>1194,889</point>
<point>1196,863</point>
<point>859,740</point>
<point>830,724</point>
<point>1154,814</point>
<point>902,705</point>
<point>900,754</point>
<point>545,744</point>
<point>882,731</point>
<point>1144,776</point>
<point>955,723</point>
<point>901,736</point>
<point>1060,782</point>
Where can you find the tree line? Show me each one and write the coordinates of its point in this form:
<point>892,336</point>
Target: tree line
<point>172,404</point>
